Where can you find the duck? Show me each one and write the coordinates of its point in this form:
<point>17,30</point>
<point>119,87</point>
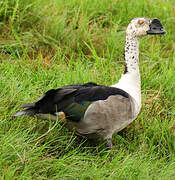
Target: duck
<point>95,110</point>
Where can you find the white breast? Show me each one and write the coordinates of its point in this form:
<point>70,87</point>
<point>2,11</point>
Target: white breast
<point>131,84</point>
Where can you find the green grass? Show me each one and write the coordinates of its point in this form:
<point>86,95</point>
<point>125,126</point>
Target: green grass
<point>47,44</point>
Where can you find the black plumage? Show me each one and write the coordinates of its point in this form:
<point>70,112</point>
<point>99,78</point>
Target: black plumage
<point>73,100</point>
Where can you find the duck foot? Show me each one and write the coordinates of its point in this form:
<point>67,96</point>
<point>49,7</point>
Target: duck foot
<point>108,144</point>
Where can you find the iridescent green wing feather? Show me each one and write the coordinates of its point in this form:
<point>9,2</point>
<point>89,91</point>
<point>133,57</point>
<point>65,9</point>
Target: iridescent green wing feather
<point>76,111</point>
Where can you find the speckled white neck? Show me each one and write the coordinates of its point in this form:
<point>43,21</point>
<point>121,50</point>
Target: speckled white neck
<point>130,79</point>
<point>131,55</point>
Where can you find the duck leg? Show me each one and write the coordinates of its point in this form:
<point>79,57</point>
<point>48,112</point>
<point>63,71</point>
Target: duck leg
<point>109,144</point>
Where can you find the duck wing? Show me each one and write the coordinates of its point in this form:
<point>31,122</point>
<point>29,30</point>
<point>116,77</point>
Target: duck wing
<point>73,100</point>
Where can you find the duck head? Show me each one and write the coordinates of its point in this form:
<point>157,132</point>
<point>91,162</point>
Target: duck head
<point>140,27</point>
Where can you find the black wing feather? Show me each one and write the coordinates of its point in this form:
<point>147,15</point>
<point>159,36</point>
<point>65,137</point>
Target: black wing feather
<point>56,100</point>
<point>59,99</point>
<point>98,93</point>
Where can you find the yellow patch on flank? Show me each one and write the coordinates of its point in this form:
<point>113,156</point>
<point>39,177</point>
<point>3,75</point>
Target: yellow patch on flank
<point>62,115</point>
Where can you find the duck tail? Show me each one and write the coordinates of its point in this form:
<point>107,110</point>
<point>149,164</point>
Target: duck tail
<point>27,112</point>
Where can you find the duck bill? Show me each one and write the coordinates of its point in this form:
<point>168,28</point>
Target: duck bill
<point>156,27</point>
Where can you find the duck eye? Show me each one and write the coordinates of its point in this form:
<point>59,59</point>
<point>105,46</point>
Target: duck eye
<point>140,22</point>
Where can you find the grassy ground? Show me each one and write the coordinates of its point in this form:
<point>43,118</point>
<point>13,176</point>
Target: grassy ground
<point>47,44</point>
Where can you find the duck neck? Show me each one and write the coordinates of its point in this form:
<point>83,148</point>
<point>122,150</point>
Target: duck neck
<point>131,55</point>
<point>130,80</point>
